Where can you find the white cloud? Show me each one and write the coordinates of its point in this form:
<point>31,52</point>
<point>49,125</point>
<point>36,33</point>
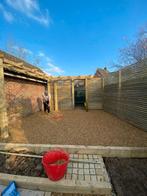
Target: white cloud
<point>41,54</point>
<point>21,49</point>
<point>7,15</point>
<point>54,69</point>
<point>46,58</point>
<point>50,68</point>
<point>31,9</point>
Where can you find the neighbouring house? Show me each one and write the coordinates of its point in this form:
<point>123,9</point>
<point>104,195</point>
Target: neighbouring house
<point>101,72</point>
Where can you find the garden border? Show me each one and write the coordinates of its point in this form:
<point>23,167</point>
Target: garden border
<point>104,151</point>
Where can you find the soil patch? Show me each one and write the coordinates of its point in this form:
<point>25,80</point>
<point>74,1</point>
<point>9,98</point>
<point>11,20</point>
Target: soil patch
<point>128,176</point>
<point>18,165</point>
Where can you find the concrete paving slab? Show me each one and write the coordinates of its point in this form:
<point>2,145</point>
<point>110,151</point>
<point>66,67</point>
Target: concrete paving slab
<point>28,192</point>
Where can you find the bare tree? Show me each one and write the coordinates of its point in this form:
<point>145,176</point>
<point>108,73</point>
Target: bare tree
<point>135,51</point>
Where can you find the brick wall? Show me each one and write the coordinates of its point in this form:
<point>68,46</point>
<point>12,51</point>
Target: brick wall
<point>23,97</point>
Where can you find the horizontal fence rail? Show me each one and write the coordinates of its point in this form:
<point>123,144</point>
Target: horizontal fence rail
<point>125,94</point>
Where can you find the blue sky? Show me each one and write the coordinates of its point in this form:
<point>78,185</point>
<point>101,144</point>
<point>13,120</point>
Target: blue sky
<point>70,37</point>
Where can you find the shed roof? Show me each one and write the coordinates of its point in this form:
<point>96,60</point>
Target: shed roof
<point>19,66</point>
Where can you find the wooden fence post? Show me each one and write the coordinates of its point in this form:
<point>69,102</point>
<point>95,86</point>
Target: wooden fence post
<point>4,133</point>
<point>103,83</point>
<point>86,90</point>
<point>119,79</point>
<point>55,96</point>
<point>49,92</point>
<point>73,94</point>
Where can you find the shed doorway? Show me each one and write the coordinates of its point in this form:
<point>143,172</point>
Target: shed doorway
<point>79,93</point>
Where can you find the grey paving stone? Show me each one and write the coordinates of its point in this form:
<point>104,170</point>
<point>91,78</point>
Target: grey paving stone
<point>87,178</point>
<point>26,192</point>
<point>75,171</point>
<point>92,171</point>
<point>81,165</point>
<point>86,171</point>
<point>86,165</point>
<point>93,178</point>
<point>91,166</point>
<point>80,171</point>
<point>81,177</point>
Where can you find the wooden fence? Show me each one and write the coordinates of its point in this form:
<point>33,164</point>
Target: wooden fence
<point>62,93</point>
<point>125,94</point>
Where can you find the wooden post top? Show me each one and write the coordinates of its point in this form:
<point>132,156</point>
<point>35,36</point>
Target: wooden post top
<point>1,55</point>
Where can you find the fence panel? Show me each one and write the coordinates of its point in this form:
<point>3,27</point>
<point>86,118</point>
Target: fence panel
<point>94,93</point>
<point>64,94</point>
<point>129,100</point>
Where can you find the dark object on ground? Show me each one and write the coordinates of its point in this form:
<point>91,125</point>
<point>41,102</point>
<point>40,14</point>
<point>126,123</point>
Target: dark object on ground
<point>46,106</point>
<point>86,106</point>
<point>128,176</point>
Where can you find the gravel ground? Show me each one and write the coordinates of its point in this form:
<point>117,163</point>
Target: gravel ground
<point>76,127</point>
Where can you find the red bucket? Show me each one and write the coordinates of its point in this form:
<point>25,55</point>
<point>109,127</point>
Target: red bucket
<point>55,164</point>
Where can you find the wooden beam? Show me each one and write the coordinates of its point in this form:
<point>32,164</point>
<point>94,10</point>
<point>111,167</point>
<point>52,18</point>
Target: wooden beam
<point>119,79</point>
<point>49,92</point>
<point>1,55</point>
<point>12,62</point>
<point>23,71</point>
<point>71,77</point>
<point>20,67</point>
<point>55,96</point>
<point>3,110</point>
<point>24,77</point>
<point>86,90</point>
<point>73,93</point>
<point>103,83</point>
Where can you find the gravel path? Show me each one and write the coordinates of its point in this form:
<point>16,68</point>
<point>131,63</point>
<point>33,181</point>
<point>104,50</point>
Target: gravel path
<point>77,127</point>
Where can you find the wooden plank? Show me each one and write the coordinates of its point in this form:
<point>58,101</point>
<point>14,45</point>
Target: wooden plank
<point>25,72</point>
<point>119,79</point>
<point>127,97</point>
<point>65,100</point>
<point>72,77</point>
<point>94,93</point>
<point>49,92</point>
<point>73,94</point>
<point>24,77</point>
<point>63,186</point>
<point>55,96</point>
<point>4,133</point>
<point>86,91</point>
